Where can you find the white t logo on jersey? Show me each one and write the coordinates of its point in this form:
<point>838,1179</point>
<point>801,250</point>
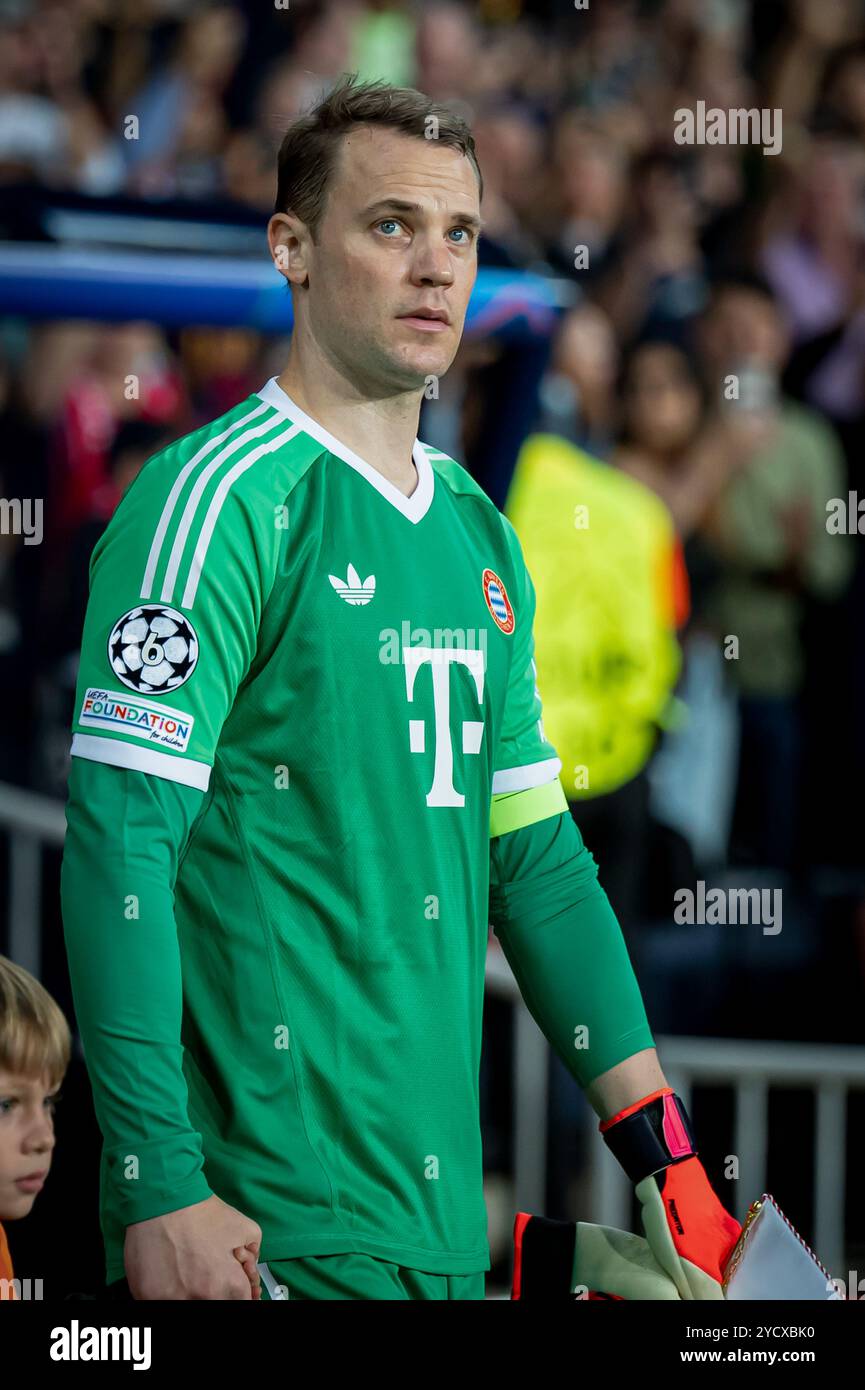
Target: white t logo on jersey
<point>443,792</point>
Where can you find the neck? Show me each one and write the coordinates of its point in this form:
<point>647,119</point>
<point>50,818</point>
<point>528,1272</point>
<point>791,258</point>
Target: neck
<point>381,430</point>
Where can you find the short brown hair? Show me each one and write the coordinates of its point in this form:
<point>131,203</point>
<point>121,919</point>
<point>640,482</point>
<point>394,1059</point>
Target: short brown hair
<point>34,1035</point>
<point>309,146</point>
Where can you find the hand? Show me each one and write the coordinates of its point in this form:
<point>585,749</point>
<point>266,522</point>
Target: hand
<point>689,1232</point>
<point>248,1257</point>
<point>206,1251</point>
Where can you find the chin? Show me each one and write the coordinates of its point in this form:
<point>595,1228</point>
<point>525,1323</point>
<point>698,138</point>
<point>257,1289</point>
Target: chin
<point>18,1205</point>
<point>426,364</point>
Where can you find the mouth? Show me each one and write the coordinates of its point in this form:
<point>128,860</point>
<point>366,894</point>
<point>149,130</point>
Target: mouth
<point>33,1182</point>
<point>427,320</point>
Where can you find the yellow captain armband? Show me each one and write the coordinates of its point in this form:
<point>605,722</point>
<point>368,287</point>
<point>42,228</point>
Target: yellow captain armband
<point>513,810</point>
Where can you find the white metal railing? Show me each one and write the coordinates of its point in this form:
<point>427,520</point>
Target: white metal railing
<point>750,1068</point>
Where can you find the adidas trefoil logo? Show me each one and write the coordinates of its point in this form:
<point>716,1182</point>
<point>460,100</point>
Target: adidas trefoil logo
<point>351,588</point>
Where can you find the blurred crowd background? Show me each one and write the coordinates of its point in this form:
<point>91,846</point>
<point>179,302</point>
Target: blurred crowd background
<point>686,266</point>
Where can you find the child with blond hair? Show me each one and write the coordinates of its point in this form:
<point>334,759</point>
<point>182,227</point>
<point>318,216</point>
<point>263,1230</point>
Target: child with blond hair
<point>35,1047</point>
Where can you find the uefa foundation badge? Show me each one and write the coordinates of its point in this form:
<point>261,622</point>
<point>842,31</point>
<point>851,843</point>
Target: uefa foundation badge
<point>497,601</point>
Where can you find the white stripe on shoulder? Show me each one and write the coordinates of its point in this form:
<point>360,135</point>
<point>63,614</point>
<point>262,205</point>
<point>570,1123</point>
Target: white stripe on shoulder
<point>118,753</point>
<point>520,779</point>
<point>225,484</point>
<point>176,489</point>
<point>194,498</point>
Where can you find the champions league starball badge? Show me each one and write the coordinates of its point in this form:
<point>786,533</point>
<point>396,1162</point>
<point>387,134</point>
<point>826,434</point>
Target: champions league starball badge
<point>153,649</point>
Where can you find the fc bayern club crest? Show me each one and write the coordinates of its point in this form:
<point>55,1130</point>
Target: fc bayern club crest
<point>153,649</point>
<point>498,602</point>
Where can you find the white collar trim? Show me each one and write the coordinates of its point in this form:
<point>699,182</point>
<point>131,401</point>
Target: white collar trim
<point>414,507</point>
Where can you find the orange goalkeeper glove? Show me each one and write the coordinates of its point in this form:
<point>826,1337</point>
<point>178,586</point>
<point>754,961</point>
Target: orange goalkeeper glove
<point>689,1232</point>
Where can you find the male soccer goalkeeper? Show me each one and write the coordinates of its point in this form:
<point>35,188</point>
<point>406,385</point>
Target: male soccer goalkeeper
<point>308,769</point>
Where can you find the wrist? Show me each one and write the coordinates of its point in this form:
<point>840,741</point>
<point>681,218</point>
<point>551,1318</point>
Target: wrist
<point>651,1134</point>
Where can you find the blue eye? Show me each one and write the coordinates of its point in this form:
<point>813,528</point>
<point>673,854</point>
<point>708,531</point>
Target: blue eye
<point>460,229</point>
<point>389,222</point>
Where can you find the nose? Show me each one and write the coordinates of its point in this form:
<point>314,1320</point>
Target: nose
<point>40,1136</point>
<point>432,265</point>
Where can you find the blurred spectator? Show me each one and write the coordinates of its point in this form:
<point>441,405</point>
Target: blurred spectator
<point>816,266</point>
<point>50,127</point>
<point>673,440</point>
<point>510,146</point>
<point>36,373</point>
<point>578,394</point>
<point>613,59</point>
<point>180,124</point>
<point>448,51</point>
<point>812,264</point>
<point>587,198</point>
<point>768,531</point>
<point>134,442</point>
<point>127,373</point>
<point>659,284</point>
<point>611,592</point>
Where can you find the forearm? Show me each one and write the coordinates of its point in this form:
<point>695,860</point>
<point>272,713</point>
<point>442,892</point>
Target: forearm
<point>566,949</point>
<point>117,878</point>
<point>626,1083</point>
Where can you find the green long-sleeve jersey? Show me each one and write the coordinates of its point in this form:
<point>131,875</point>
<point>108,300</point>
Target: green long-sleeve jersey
<point>305,703</point>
